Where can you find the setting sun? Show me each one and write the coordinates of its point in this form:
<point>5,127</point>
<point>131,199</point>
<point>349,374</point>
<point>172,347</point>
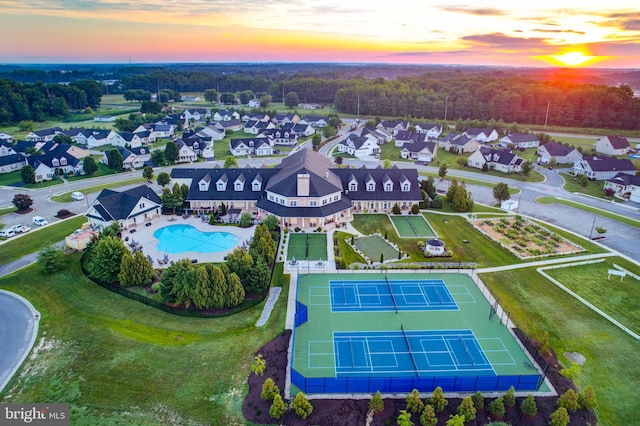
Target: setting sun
<point>573,59</point>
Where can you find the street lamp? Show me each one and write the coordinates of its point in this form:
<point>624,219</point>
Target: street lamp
<point>593,225</point>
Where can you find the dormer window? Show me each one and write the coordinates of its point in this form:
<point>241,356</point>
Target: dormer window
<point>55,162</point>
<point>221,186</point>
<point>239,186</point>
<point>406,187</point>
<point>371,186</point>
<point>388,187</point>
<point>202,186</point>
<point>63,161</point>
<point>256,186</point>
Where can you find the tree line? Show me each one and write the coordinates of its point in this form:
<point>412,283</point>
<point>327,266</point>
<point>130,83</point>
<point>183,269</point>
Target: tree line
<point>40,102</point>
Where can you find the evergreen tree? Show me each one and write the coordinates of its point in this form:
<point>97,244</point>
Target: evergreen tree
<point>115,160</point>
<point>414,403</point>
<point>28,175</point>
<point>126,275</point>
<point>89,166</point>
<point>376,404</point>
<point>587,398</point>
<point>452,190</point>
<point>560,417</point>
<point>235,293</point>
<point>143,268</point>
<point>396,209</point>
<point>259,277</point>
<point>404,418</point>
<point>442,171</point>
<point>240,262</point>
<point>269,390</point>
<point>106,257</point>
<point>496,407</point>
<point>428,416</point>
<point>219,285</point>
<point>510,397</point>
<point>202,292</point>
<point>171,152</point>
<point>438,401</point>
<point>302,406</point>
<point>462,201</point>
<point>569,400</point>
<point>51,259</point>
<point>478,400</point>
<point>467,409</point>
<point>278,408</point>
<point>528,406</point>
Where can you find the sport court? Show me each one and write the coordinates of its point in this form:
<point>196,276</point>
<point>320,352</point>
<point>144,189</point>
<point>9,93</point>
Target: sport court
<point>374,246</point>
<point>307,246</point>
<point>412,226</point>
<point>359,333</point>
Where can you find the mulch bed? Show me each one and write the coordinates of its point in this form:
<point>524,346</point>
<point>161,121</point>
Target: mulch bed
<point>25,211</point>
<point>63,214</point>
<point>347,412</point>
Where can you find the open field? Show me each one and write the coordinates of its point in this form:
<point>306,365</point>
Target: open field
<point>118,361</point>
<point>536,305</point>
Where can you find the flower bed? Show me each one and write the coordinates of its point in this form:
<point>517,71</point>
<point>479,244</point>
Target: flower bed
<point>524,238</point>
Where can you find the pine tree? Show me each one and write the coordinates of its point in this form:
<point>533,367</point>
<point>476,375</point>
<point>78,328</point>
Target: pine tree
<point>467,409</point>
<point>236,293</point>
<point>126,275</point>
<point>560,417</point>
<point>438,401</point>
<point>569,400</point>
<point>203,291</point>
<point>218,283</point>
<point>269,390</point>
<point>452,190</point>
<point>496,407</point>
<point>428,416</point>
<point>259,277</point>
<point>376,404</point>
<point>302,406</point>
<point>587,398</point>
<point>414,403</point>
<point>510,397</point>
<point>528,406</point>
<point>478,400</point>
<point>142,268</point>
<point>278,408</point>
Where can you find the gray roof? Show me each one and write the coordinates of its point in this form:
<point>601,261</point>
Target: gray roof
<point>119,205</point>
<point>522,137</point>
<point>557,150</point>
<point>606,164</point>
<point>618,142</point>
<point>419,146</point>
<point>625,179</point>
<point>499,156</point>
<point>321,179</point>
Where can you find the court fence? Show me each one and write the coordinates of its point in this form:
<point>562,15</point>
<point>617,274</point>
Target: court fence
<point>184,312</point>
<point>301,315</point>
<point>370,385</point>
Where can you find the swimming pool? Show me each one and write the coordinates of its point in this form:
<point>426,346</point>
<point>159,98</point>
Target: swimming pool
<point>175,239</point>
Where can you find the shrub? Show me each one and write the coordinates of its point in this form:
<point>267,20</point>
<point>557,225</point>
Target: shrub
<point>467,409</point>
<point>587,398</point>
<point>269,390</point>
<point>437,203</point>
<point>428,416</point>
<point>258,366</point>
<point>415,209</point>
<point>560,417</point>
<point>404,418</point>
<point>528,406</point>
<point>496,407</point>
<point>478,400</point>
<point>278,408</point>
<point>569,401</point>
<point>376,404</point>
<point>438,401</point>
<point>302,406</point>
<point>572,372</point>
<point>510,397</point>
<point>414,403</point>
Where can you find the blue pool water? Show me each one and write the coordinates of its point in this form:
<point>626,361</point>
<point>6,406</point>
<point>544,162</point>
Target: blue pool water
<point>175,239</point>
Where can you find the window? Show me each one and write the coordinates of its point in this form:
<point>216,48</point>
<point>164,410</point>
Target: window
<point>353,186</point>
<point>324,201</point>
<point>270,197</point>
<point>238,186</point>
<point>293,203</point>
<point>335,198</point>
<point>203,186</point>
<point>220,186</point>
<point>313,203</point>
<point>256,186</point>
<point>388,187</point>
<point>371,187</point>
<point>141,205</point>
<point>405,187</point>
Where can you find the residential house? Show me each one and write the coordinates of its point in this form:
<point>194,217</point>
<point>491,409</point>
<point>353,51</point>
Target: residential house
<point>381,135</point>
<point>6,148</point>
<point>280,137</point>
<point>129,208</point>
<point>102,137</point>
<point>482,134</point>
<point>226,115</point>
<point>201,145</point>
<point>144,135</point>
<point>432,130</point>
<point>144,154</point>
<point>196,114</point>
<point>5,137</point>
<point>229,125</point>
<point>210,131</point>
<point>282,119</point>
<point>301,130</point>
<point>162,129</point>
<point>129,140</point>
<point>250,146</point>
<point>254,103</point>
<point>317,121</point>
<point>41,169</point>
<point>78,135</point>
<point>460,144</point>
<point>57,161</point>
<point>10,160</point>
<point>520,140</point>
<point>602,168</point>
<point>257,116</point>
<point>308,105</point>
<point>394,126</point>
<point>177,120</point>
<point>186,154</point>
<point>623,185</point>
<point>73,150</point>
<point>105,118</point>
<point>44,135</point>
<point>190,98</point>
<point>423,152</point>
<point>303,191</point>
<point>359,146</point>
<point>406,136</point>
<point>254,126</point>
<point>557,153</point>
<point>612,145</point>
<point>501,160</point>
<point>130,161</point>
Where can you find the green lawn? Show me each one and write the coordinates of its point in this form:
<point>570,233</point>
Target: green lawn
<point>103,170</point>
<point>536,305</point>
<point>374,246</point>
<point>469,181</point>
<point>599,212</point>
<point>38,238</point>
<point>7,210</point>
<point>65,197</point>
<point>118,361</point>
<point>345,251</point>
<point>593,188</point>
<point>15,179</point>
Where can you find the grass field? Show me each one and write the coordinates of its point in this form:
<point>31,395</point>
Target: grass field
<point>345,251</point>
<point>593,188</point>
<point>536,305</point>
<point>118,361</point>
<point>15,179</point>
<point>38,238</point>
<point>599,212</point>
<point>375,246</point>
<point>65,197</point>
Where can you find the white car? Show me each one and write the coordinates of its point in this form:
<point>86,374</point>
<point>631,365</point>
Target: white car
<point>6,233</point>
<point>39,220</point>
<point>77,195</point>
<point>19,229</point>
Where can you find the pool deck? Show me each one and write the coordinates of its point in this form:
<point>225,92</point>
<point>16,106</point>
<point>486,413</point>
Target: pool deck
<point>143,235</point>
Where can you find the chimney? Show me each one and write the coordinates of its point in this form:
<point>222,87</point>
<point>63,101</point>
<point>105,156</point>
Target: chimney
<point>303,185</point>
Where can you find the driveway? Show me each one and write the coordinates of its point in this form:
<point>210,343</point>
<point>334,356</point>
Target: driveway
<point>18,331</point>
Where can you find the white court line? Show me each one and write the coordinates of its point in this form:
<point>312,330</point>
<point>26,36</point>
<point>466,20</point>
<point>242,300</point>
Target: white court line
<point>369,354</point>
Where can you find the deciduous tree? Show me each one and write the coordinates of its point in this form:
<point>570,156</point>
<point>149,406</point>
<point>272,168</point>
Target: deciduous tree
<point>163,179</point>
<point>147,173</point>
<point>89,166</point>
<point>171,152</point>
<point>291,100</point>
<point>258,365</point>
<point>22,202</point>
<point>230,161</point>
<point>28,175</point>
<point>501,192</point>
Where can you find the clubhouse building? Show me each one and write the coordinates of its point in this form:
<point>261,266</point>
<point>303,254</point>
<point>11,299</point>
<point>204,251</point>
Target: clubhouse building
<point>305,190</point>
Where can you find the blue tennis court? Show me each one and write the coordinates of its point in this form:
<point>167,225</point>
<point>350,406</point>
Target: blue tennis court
<point>409,353</point>
<point>391,295</point>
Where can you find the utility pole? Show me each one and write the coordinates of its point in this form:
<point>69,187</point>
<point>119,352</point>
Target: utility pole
<point>593,225</point>
<point>446,105</point>
<point>546,117</point>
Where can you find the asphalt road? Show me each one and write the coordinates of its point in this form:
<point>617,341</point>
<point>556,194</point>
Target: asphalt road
<point>18,330</point>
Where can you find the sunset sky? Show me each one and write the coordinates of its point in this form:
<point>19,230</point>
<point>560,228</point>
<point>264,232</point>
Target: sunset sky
<point>540,33</point>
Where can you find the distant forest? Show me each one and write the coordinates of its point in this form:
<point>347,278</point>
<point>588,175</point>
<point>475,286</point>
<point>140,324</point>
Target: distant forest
<point>575,98</point>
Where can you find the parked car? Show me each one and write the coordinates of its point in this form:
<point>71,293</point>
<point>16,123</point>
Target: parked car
<point>6,233</point>
<point>39,220</point>
<point>77,195</point>
<point>19,229</point>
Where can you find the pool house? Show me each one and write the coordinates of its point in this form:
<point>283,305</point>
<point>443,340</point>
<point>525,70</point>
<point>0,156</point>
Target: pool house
<point>131,208</point>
